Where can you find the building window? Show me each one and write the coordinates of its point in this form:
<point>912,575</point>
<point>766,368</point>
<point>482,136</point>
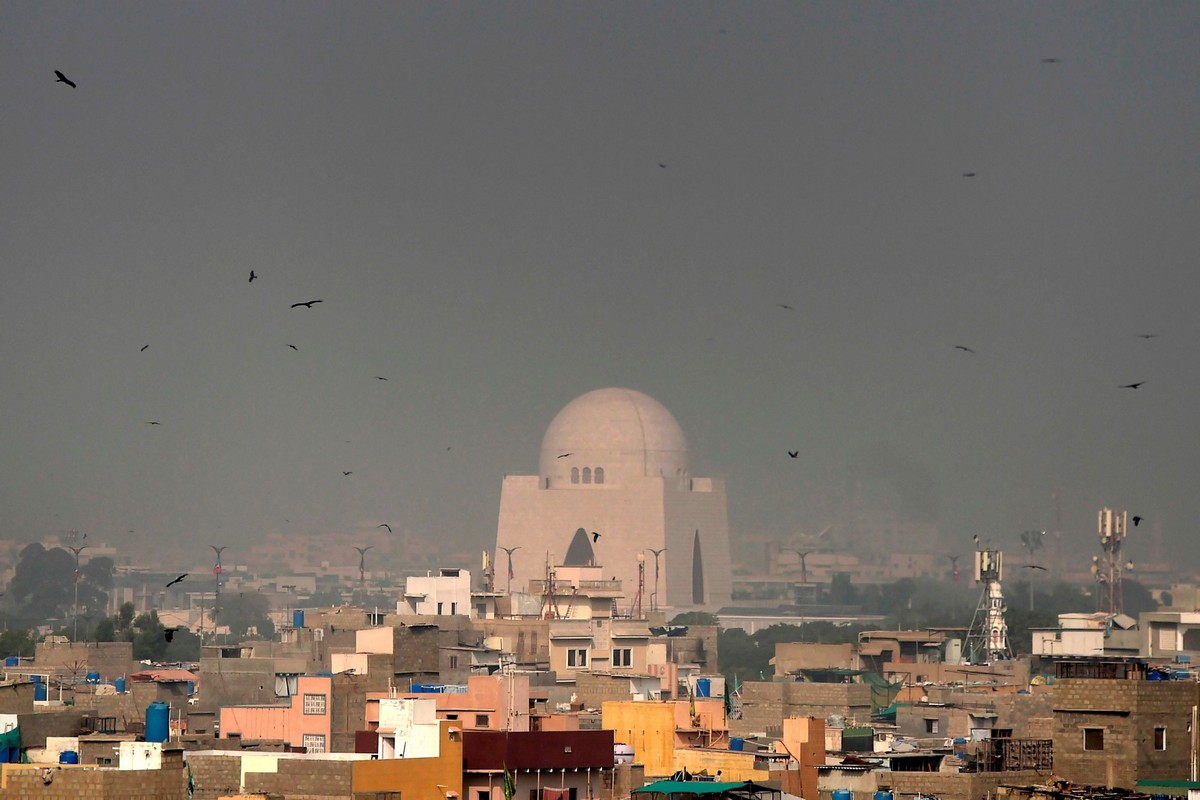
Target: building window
<point>453,662</point>
<point>1093,738</point>
<point>453,609</point>
<point>574,474</point>
<point>314,704</point>
<point>622,657</point>
<point>483,794</point>
<point>439,611</point>
<point>313,742</point>
<point>599,474</point>
<point>587,474</point>
<point>931,726</point>
<point>481,720</point>
<point>1160,738</point>
<point>576,658</point>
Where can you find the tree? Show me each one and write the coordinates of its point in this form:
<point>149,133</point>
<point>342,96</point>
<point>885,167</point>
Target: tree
<point>150,640</point>
<point>695,618</point>
<point>245,611</point>
<point>44,585</point>
<point>16,642</point>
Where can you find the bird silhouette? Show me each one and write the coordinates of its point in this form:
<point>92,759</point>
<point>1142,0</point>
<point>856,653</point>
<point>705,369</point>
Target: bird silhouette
<point>595,537</point>
<point>64,79</point>
<point>968,174</point>
<point>177,580</point>
<point>1035,566</point>
<point>662,165</point>
<point>1131,385</point>
<point>385,525</point>
<point>297,349</point>
<point>378,378</point>
<point>785,306</point>
<point>564,455</point>
<point>964,348</point>
<point>154,423</point>
<point>793,453</point>
<point>1136,520</point>
<point>307,303</point>
<point>252,277</point>
<point>169,633</point>
<point>344,472</point>
<point>976,538</point>
<point>143,348</point>
<point>1051,60</point>
<point>1147,335</point>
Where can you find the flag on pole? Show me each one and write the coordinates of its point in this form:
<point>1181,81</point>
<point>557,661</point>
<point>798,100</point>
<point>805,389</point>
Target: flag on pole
<point>510,783</point>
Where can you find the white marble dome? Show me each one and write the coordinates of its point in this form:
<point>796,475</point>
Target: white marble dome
<point>611,434</point>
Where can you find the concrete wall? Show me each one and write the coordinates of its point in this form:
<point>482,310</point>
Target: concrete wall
<point>766,704</point>
<point>649,728</point>
<point>22,781</point>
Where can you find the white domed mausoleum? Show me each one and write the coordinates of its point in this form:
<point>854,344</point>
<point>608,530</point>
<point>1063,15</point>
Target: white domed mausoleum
<point>615,462</point>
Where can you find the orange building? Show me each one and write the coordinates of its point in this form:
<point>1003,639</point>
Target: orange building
<point>438,777</point>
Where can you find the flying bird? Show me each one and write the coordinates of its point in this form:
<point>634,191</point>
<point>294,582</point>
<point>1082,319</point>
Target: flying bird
<point>252,277</point>
<point>1131,385</point>
<point>595,537</point>
<point>143,348</point>
<point>976,538</point>
<point>969,174</point>
<point>785,306</point>
<point>385,525</point>
<point>564,455</point>
<point>378,378</point>
<point>344,472</point>
<point>154,423</point>
<point>307,303</point>
<point>64,79</point>
<point>1136,520</point>
<point>662,166</point>
<point>793,453</point>
<point>297,349</point>
<point>964,348</point>
<point>1051,60</point>
<point>1035,566</point>
<point>169,633</point>
<point>177,580</point>
<point>1147,335</point>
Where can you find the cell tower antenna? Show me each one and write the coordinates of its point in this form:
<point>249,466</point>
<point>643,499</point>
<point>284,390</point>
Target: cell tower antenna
<point>987,639</point>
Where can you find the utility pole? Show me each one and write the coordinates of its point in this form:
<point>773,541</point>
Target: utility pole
<point>217,590</point>
<point>654,597</point>
<point>510,551</point>
<point>362,580</point>
<point>75,628</point>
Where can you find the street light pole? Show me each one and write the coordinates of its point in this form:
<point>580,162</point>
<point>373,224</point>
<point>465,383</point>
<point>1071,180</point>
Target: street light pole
<point>75,628</point>
<point>654,597</point>
<point>362,580</point>
<point>217,588</point>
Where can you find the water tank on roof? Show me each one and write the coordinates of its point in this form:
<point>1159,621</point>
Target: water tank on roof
<point>884,794</point>
<point>298,618</point>
<point>703,688</point>
<point>158,722</point>
<point>12,661</point>
<point>39,691</point>
<point>119,683</point>
<point>737,743</point>
<point>68,757</point>
<point>843,794</point>
<point>92,677</point>
<point>622,753</point>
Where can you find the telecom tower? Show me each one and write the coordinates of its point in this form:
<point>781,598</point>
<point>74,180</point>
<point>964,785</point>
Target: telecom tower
<point>987,640</point>
<point>1110,567</point>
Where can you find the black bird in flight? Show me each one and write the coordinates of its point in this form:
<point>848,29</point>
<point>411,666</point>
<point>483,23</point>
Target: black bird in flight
<point>344,472</point>
<point>969,174</point>
<point>785,306</point>
<point>297,349</point>
<point>1147,335</point>
<point>595,537</point>
<point>564,455</point>
<point>385,525</point>
<point>307,303</point>
<point>1051,60</point>
<point>662,166</point>
<point>1131,385</point>
<point>1136,520</point>
<point>64,79</point>
<point>793,453</point>
<point>154,423</point>
<point>378,378</point>
<point>252,277</point>
<point>143,348</point>
<point>964,348</point>
<point>177,580</point>
<point>169,633</point>
<point>1035,566</point>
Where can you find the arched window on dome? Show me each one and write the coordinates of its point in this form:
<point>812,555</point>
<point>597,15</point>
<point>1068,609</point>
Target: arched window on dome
<point>587,474</point>
<point>599,474</point>
<point>574,474</point>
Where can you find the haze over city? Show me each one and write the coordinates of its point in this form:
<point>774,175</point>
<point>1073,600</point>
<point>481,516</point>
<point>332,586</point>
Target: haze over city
<point>928,243</point>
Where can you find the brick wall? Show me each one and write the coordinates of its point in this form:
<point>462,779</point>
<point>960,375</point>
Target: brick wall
<point>72,783</point>
<point>305,780</point>
<point>37,726</point>
<point>215,775</point>
<point>954,785</point>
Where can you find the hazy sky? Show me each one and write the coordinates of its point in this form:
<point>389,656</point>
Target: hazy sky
<point>475,191</point>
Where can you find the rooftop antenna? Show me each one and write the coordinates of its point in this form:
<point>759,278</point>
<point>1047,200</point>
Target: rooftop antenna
<point>217,592</point>
<point>1109,568</point>
<point>509,551</point>
<point>362,573</point>
<point>987,639</point>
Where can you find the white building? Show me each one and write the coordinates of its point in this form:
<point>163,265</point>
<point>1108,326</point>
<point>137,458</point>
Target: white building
<point>446,594</point>
<point>613,483</point>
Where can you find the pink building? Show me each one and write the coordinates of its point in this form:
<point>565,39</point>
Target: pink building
<point>305,722</point>
<point>491,702</point>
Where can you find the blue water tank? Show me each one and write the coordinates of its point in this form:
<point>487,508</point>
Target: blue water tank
<point>703,687</point>
<point>158,722</point>
<point>35,678</point>
<point>298,618</point>
<point>120,684</point>
<point>843,794</point>
<point>737,743</point>
<point>191,688</point>
<point>92,677</point>
<point>12,661</point>
<point>884,794</point>
<point>68,757</point>
<point>39,691</point>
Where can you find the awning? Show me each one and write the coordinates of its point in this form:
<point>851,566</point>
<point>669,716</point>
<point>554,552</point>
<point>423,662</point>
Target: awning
<point>703,787</point>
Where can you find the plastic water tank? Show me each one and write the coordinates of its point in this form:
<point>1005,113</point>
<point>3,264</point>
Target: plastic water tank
<point>39,691</point>
<point>884,794</point>
<point>92,677</point>
<point>703,687</point>
<point>120,684</point>
<point>843,794</point>
<point>68,757</point>
<point>622,753</point>
<point>158,722</point>
<point>12,661</point>
<point>737,743</point>
<point>298,618</point>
